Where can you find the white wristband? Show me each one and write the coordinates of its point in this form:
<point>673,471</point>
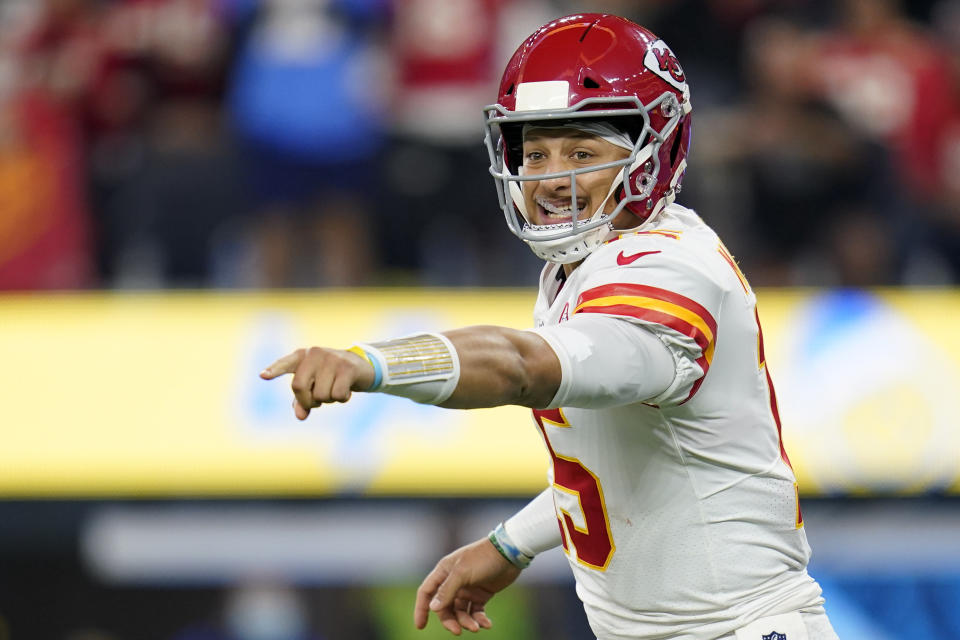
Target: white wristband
<point>423,367</point>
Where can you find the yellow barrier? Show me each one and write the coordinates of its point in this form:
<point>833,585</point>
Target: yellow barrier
<point>158,395</point>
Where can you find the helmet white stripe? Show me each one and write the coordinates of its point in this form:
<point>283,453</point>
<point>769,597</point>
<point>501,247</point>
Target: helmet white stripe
<point>535,96</point>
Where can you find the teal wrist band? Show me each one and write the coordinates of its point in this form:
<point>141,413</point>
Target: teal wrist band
<point>502,542</point>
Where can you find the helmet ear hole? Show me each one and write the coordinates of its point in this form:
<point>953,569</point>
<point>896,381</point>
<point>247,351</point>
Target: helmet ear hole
<point>511,145</point>
<point>590,83</point>
<point>675,147</point>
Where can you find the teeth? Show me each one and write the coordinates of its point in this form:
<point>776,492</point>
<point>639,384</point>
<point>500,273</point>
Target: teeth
<point>555,210</point>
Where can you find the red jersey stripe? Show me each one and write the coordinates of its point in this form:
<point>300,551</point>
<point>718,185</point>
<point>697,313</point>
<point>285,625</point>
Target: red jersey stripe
<point>625,289</point>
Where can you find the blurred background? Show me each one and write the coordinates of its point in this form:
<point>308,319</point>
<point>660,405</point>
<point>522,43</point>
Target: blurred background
<point>190,188</point>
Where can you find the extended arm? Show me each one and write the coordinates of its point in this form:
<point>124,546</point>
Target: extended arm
<point>589,362</point>
<point>497,366</point>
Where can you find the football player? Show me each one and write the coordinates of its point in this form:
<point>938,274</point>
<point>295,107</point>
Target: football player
<point>670,491</point>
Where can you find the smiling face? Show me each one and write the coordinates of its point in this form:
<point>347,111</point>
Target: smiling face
<point>551,150</point>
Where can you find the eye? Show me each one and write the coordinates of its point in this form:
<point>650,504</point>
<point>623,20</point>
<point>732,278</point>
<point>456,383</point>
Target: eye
<point>534,156</point>
<point>582,156</point>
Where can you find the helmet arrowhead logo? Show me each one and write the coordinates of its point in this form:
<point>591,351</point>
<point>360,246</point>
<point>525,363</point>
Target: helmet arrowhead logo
<point>669,63</point>
<point>661,61</point>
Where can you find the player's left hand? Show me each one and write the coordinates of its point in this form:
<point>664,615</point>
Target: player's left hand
<point>458,588</point>
<point>320,376</point>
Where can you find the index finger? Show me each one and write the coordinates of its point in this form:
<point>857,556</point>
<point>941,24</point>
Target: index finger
<point>284,365</point>
<point>426,592</point>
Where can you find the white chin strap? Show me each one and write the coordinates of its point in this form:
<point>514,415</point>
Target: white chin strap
<point>578,244</point>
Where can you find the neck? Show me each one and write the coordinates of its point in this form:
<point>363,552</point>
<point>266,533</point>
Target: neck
<point>568,268</point>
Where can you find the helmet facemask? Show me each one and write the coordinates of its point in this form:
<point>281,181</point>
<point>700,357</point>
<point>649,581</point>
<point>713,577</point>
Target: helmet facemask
<point>572,241</point>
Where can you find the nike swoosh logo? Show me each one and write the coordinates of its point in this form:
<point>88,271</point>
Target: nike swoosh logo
<point>622,259</point>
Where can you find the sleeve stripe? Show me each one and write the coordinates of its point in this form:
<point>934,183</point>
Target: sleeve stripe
<point>654,293</point>
<point>652,304</point>
<point>683,325</point>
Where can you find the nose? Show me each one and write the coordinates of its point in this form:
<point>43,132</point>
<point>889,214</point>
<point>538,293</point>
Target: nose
<point>556,184</point>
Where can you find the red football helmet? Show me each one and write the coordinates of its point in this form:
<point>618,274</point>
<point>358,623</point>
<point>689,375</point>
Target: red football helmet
<point>600,67</point>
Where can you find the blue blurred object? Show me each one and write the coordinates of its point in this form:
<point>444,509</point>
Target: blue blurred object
<point>305,81</point>
<point>834,314</point>
<point>893,607</point>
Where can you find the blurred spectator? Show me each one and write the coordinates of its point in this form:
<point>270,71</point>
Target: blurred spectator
<point>162,171</point>
<point>890,81</point>
<point>795,184</point>
<point>304,102</point>
<point>139,81</point>
<point>44,222</point>
<point>442,220</point>
<point>893,84</point>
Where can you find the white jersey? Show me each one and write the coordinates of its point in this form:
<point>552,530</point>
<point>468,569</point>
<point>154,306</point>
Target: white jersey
<point>679,516</point>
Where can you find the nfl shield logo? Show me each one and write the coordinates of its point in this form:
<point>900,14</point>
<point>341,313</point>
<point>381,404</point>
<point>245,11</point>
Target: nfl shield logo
<point>773,635</point>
